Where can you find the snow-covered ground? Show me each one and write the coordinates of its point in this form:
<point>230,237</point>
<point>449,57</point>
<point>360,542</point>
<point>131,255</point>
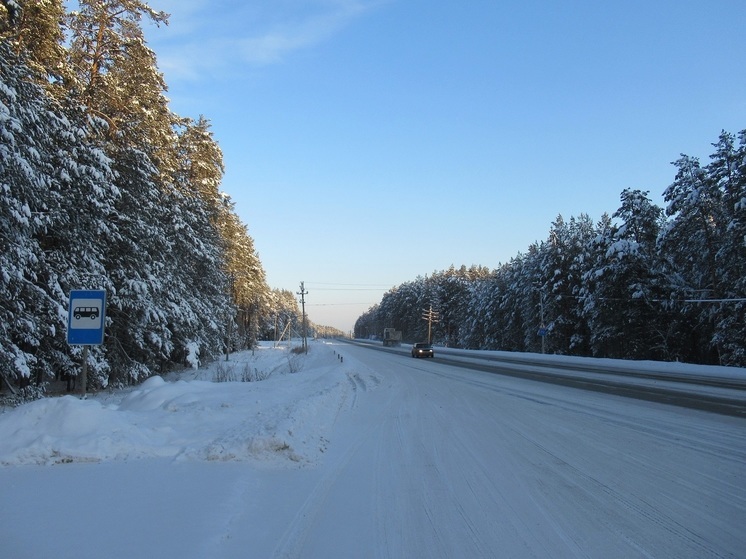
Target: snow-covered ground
<point>279,421</point>
<point>350,452</point>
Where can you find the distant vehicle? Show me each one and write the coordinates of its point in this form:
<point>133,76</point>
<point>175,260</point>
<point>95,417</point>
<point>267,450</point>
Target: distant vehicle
<point>391,337</point>
<point>90,312</point>
<point>422,349</point>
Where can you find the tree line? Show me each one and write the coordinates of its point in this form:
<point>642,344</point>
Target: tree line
<point>644,283</point>
<point>102,186</point>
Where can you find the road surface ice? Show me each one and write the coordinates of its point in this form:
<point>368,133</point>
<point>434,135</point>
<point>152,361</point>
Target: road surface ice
<point>352,452</point>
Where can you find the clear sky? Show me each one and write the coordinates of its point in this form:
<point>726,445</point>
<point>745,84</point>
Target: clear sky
<point>368,142</point>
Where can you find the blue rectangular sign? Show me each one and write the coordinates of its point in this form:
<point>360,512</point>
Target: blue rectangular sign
<point>85,319</point>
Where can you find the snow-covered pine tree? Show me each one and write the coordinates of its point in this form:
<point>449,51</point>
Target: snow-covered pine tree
<point>562,269</point>
<point>473,276</point>
<point>117,79</point>
<point>517,321</point>
<point>401,308</point>
<point>200,289</point>
<point>27,312</point>
<point>477,311</point>
<point>520,302</point>
<point>596,307</point>
<point>625,289</point>
<point>56,194</point>
<point>249,291</point>
<point>727,173</point>
<point>448,291</point>
<point>691,240</point>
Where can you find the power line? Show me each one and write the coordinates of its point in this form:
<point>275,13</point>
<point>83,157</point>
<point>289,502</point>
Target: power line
<point>379,289</point>
<point>353,284</point>
<point>657,300</point>
<point>736,300</point>
<point>337,304</point>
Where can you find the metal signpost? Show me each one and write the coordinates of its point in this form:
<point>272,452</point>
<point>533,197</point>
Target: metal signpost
<point>85,324</point>
<point>543,331</point>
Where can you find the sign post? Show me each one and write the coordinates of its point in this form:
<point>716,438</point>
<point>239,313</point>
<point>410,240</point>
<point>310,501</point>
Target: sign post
<point>85,325</point>
<point>543,331</point>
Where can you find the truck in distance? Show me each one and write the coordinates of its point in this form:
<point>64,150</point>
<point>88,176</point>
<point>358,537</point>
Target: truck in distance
<point>391,337</point>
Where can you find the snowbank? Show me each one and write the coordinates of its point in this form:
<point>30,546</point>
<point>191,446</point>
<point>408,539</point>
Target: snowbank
<point>282,421</point>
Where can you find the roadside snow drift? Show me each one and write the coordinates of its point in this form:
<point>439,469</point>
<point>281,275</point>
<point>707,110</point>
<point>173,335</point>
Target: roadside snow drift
<point>283,420</point>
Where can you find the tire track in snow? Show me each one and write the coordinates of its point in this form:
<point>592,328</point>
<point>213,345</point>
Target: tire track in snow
<point>639,507</point>
<point>697,439</point>
<point>466,467</point>
<point>223,520</point>
<point>294,539</point>
<point>422,494</point>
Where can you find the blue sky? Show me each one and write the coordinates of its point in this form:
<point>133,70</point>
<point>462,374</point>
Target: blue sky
<point>368,142</point>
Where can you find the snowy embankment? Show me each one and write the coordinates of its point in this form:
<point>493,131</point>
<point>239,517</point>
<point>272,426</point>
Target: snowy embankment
<point>283,420</point>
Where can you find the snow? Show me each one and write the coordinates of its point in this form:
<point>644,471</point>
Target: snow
<point>350,452</point>
<point>263,422</point>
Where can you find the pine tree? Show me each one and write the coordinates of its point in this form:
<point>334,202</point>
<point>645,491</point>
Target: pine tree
<point>26,310</point>
<point>104,34</point>
<point>727,174</point>
<point>692,239</point>
<point>562,269</point>
<point>32,29</point>
<point>117,79</point>
<point>56,195</point>
<point>249,291</point>
<point>198,291</point>
<point>625,289</point>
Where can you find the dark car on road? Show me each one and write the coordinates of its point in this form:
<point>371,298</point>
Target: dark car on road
<point>422,350</point>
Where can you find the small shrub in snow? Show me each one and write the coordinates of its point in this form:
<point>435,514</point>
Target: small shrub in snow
<point>295,363</point>
<point>224,373</point>
<point>254,375</point>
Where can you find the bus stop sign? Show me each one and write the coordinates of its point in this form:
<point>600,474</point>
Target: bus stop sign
<point>85,319</point>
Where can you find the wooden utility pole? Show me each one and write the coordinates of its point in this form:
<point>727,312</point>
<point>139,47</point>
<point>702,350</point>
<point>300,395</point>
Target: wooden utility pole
<point>302,294</point>
<point>229,334</point>
<point>431,316</point>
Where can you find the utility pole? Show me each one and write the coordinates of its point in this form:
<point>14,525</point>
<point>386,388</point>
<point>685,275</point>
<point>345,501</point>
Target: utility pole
<point>543,327</point>
<point>302,294</point>
<point>431,316</point>
<point>232,279</point>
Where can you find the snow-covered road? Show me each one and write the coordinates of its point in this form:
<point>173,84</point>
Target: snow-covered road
<point>447,463</point>
<point>410,458</point>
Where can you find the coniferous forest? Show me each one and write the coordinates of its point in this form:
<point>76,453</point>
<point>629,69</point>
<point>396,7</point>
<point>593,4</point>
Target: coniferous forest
<point>103,187</point>
<point>644,283</point>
